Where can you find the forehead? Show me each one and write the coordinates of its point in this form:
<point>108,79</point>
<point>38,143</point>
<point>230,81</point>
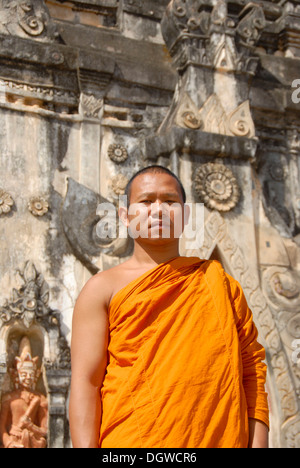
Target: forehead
<point>27,368</point>
<point>154,182</point>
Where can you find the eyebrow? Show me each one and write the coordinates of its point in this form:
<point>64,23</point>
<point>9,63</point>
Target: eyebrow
<point>168,194</point>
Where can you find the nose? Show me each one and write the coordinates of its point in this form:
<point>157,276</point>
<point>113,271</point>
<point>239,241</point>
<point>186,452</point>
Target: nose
<point>156,208</point>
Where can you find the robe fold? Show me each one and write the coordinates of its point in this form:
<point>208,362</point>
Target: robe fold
<point>184,369</point>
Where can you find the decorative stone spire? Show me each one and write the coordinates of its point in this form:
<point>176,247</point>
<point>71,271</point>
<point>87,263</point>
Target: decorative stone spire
<point>213,50</point>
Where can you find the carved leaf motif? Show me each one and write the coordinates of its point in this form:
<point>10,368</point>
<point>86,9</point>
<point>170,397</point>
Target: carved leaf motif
<point>45,298</point>
<point>252,23</point>
<point>26,18</point>
<point>190,16</point>
<point>214,116</point>
<point>91,106</point>
<point>240,121</point>
<point>225,57</point>
<point>28,318</point>
<point>30,273</point>
<point>32,25</point>
<point>219,13</point>
<point>188,114</point>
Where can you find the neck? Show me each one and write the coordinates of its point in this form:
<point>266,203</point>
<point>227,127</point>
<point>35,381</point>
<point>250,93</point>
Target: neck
<point>145,254</point>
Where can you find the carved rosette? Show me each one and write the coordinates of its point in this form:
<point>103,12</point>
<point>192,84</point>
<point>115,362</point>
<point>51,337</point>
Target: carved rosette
<point>6,202</point>
<point>217,187</point>
<point>38,206</point>
<point>119,183</point>
<point>117,153</point>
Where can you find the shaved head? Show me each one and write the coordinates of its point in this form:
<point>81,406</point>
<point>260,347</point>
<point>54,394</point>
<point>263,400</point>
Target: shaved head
<point>155,169</point>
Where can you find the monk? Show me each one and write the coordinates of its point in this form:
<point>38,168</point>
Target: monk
<point>164,348</point>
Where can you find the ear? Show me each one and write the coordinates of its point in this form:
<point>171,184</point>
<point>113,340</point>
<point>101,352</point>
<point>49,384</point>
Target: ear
<point>187,214</point>
<point>123,215</point>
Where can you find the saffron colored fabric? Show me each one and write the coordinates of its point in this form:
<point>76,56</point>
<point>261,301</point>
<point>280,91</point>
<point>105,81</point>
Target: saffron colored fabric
<point>185,369</point>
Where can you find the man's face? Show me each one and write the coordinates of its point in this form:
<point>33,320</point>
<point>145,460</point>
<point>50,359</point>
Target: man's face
<point>156,208</point>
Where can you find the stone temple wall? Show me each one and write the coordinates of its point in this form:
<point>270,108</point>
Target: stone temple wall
<point>93,90</point>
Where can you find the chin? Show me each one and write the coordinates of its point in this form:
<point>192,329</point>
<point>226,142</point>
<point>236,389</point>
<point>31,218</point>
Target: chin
<point>159,240</point>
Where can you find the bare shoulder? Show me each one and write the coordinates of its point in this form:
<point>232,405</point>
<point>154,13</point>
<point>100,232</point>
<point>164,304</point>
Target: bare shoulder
<point>101,287</point>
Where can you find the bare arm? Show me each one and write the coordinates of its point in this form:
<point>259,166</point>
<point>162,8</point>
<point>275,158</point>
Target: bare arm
<point>89,359</point>
<point>258,434</point>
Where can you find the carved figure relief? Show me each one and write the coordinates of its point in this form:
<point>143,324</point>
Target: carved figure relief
<point>217,187</point>
<point>6,202</point>
<point>27,322</point>
<point>24,411</point>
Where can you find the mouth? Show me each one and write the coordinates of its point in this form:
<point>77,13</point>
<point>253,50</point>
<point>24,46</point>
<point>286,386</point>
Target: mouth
<point>159,225</point>
<point>156,223</point>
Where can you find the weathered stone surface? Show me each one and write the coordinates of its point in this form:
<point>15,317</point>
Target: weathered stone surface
<point>91,91</point>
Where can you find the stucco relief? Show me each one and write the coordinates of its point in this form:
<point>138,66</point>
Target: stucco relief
<point>213,118</point>
<point>26,19</point>
<point>117,153</point>
<point>6,202</point>
<point>216,186</point>
<point>109,103</point>
<point>28,322</point>
<point>24,411</point>
<point>38,206</point>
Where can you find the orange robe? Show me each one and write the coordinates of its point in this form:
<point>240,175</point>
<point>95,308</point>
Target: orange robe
<point>184,367</point>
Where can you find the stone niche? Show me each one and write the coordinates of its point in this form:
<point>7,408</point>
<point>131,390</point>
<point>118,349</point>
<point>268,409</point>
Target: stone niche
<point>34,367</point>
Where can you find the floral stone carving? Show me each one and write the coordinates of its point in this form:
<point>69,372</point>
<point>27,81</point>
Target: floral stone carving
<point>119,183</point>
<point>6,202</point>
<point>217,187</point>
<point>24,411</point>
<point>38,206</point>
<point>117,153</point>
